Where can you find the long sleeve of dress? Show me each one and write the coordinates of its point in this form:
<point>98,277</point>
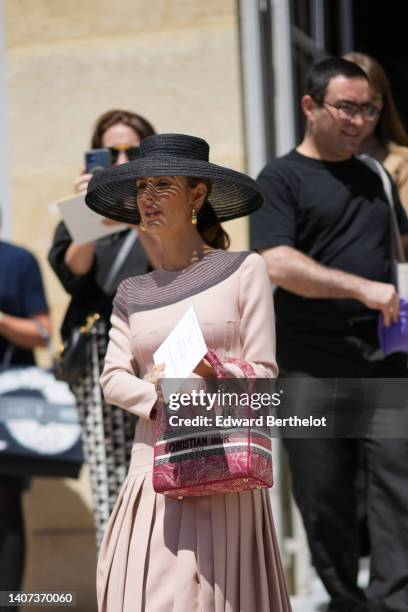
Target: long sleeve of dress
<point>257,320</point>
<point>119,381</point>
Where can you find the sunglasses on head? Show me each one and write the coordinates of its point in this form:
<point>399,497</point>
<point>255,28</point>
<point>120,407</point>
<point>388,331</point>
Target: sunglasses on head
<point>131,152</point>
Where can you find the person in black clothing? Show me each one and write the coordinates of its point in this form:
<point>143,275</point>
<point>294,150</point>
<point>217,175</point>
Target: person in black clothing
<point>84,271</point>
<point>324,232</point>
<point>24,324</point>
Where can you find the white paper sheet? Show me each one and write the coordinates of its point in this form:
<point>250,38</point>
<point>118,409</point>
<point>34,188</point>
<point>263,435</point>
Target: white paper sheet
<point>84,224</point>
<point>181,352</point>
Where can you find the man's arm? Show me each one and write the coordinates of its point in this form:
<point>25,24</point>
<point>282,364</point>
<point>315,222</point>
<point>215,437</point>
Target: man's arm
<point>26,333</point>
<point>302,275</point>
<point>32,326</point>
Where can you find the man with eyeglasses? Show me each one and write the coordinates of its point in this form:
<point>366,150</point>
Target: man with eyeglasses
<point>324,232</point>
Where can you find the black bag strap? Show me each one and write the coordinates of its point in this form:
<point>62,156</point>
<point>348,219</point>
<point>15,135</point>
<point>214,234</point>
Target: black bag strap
<point>119,261</point>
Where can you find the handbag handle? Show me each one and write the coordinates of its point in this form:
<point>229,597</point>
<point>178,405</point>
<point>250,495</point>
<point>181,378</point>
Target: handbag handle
<point>216,364</point>
<point>246,368</point>
<point>218,367</point>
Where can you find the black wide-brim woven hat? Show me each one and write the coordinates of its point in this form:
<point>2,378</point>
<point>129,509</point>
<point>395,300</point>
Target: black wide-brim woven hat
<point>112,193</point>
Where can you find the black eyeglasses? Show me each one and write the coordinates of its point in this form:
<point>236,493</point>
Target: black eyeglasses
<point>130,152</point>
<point>348,110</point>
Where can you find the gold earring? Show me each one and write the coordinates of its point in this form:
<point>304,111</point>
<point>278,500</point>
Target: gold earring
<point>142,227</point>
<point>194,217</point>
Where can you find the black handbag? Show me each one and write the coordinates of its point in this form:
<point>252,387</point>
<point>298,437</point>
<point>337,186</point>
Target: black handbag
<point>75,354</point>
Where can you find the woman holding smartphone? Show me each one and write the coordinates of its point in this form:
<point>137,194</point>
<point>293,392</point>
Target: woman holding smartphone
<point>87,272</point>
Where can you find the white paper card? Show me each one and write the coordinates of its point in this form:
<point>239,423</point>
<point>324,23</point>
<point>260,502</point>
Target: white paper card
<point>84,224</point>
<point>181,351</point>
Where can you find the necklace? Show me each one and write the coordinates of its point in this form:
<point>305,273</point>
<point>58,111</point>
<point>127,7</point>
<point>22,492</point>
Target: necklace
<point>195,258</point>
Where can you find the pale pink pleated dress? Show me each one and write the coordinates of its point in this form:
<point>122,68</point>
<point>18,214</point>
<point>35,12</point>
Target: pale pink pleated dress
<point>210,554</point>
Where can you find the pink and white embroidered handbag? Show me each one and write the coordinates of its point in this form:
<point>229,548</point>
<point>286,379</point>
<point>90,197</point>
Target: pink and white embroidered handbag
<point>215,460</point>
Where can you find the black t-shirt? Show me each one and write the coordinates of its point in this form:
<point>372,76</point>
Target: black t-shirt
<point>336,213</point>
<point>21,295</point>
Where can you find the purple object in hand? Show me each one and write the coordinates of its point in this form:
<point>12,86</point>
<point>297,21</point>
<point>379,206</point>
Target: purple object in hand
<point>394,339</point>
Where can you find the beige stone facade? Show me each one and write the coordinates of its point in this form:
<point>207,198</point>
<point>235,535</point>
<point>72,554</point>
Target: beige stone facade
<point>67,61</point>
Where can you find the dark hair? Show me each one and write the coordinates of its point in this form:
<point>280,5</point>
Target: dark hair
<point>140,125</point>
<point>389,127</point>
<point>318,78</point>
<point>208,226</point>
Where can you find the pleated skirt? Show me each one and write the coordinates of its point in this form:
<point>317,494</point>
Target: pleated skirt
<point>208,554</point>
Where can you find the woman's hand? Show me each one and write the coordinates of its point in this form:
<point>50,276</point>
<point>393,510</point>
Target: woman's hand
<point>81,183</point>
<point>156,374</point>
<point>204,369</point>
